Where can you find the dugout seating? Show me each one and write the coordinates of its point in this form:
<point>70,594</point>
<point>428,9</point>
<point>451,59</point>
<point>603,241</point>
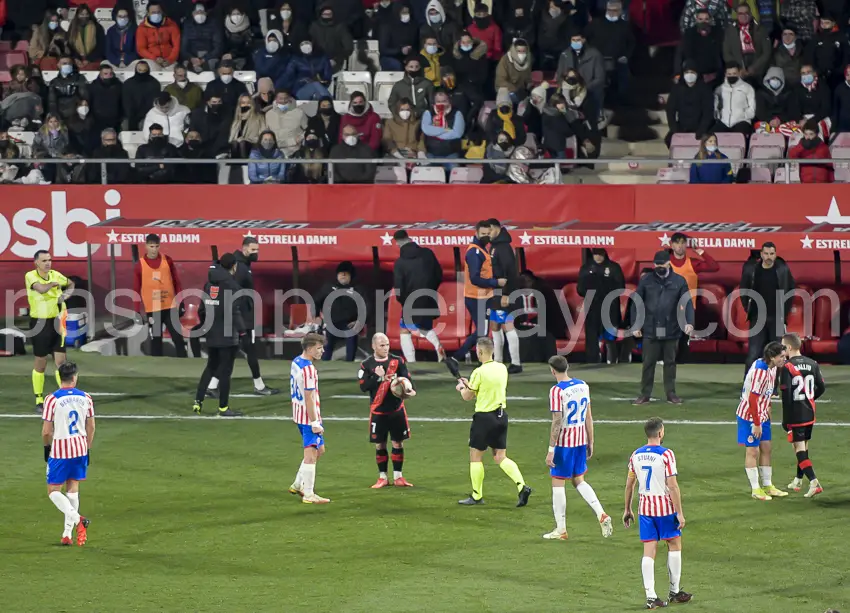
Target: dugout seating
<point>451,328</point>
<point>575,303</point>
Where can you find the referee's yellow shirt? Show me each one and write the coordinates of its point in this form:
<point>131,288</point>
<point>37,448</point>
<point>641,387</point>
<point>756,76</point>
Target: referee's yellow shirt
<point>490,384</point>
<point>46,305</point>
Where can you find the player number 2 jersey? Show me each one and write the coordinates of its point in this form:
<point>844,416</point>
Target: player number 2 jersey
<point>755,397</point>
<point>652,464</point>
<point>303,377</point>
<point>68,409</point>
<point>571,397</point>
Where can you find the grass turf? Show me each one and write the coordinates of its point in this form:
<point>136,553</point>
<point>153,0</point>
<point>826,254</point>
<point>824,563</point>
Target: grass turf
<point>193,514</point>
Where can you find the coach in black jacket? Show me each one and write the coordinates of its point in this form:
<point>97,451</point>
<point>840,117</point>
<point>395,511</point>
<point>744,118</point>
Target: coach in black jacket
<point>602,276</point>
<point>343,316</point>
<point>504,267</point>
<point>666,301</point>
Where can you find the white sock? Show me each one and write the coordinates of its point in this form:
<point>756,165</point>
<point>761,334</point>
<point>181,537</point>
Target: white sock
<point>213,384</point>
<point>75,500</point>
<point>258,384</point>
<point>65,507</point>
<point>753,477</point>
<point>299,476</point>
<point>431,337</point>
<point>766,473</point>
<point>513,345</point>
<point>407,347</point>
<point>383,475</point>
<point>498,346</point>
<point>674,569</point>
<point>647,568</point>
<point>396,475</point>
<point>308,478</point>
<point>590,498</point>
<point>559,507</point>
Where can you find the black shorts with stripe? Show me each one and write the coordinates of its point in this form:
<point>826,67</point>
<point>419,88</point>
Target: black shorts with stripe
<point>489,429</point>
<point>799,434</point>
<point>47,337</point>
<point>394,424</point>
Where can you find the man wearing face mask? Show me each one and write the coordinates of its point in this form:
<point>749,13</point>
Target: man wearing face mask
<point>668,312</point>
<point>513,73</point>
<point>195,174</point>
<point>830,50</point>
<point>138,95</point>
<point>270,59</point>
<point>308,73</point>
<point>213,124</point>
<point>105,99</point>
<point>365,120</point>
<point>486,30</point>
<point>734,103</point>
<point>811,100</point>
<point>202,42</point>
<point>332,35</point>
<point>170,115</point>
<point>841,105</point>
<point>443,30</point>
<point>158,38</point>
<point>602,276</point>
<point>352,147</point>
<point>588,62</point>
<point>702,45</point>
<point>402,137</point>
<point>66,90</point>
<point>773,102</point>
<point>287,121</point>
<point>184,91</point>
<point>238,36</point>
<point>519,24</point>
<point>312,149</point>
<point>690,104</point>
<point>413,87</point>
<point>812,147</point>
<point>499,148</point>
<point>81,130</point>
<point>788,56</point>
<point>504,119</point>
<point>746,44</point>
<point>226,87</point>
<point>615,41</point>
<point>399,39</point>
<point>444,128</point>
<point>431,55</point>
<point>553,34</point>
<point>156,148</point>
<point>717,9</point>
<point>469,59</point>
<point>120,46</point>
<point>110,148</point>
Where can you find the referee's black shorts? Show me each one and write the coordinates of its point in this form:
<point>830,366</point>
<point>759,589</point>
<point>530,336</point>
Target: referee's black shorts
<point>47,338</point>
<point>489,429</point>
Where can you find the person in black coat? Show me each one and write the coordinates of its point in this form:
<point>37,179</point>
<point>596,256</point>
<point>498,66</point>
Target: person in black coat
<point>195,174</point>
<point>110,148</point>
<point>226,87</point>
<point>841,105</point>
<point>598,277</point>
<point>82,131</point>
<point>690,107</point>
<point>325,123</point>
<point>157,147</point>
<point>773,100</point>
<point>518,24</point>
<point>810,97</point>
<point>138,94</point>
<point>105,99</point>
<point>212,122</point>
<point>702,44</point>
<point>614,39</point>
<point>829,51</point>
<point>341,314</point>
<point>399,38</point>
<point>504,267</point>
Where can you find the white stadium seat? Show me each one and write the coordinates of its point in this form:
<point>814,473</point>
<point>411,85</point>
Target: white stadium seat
<point>671,176</point>
<point>795,138</point>
<point>49,75</point>
<point>201,78</point>
<point>90,75</point>
<point>384,82</point>
<point>349,82</point>
<point>428,175</point>
<point>760,174</point>
<point>372,53</point>
<point>684,139</point>
<point>382,109</point>
<point>310,107</point>
<point>773,139</point>
<point>341,107</point>
<point>248,77</point>
<point>395,174</point>
<point>103,14</point>
<point>779,176</point>
<point>25,141</point>
<point>165,77</point>
<point>106,24</point>
<point>466,175</point>
<point>131,141</point>
<point>684,154</point>
<point>728,140</point>
<point>765,152</point>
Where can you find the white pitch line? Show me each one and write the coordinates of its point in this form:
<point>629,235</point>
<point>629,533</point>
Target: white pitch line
<point>773,400</point>
<point>361,396</point>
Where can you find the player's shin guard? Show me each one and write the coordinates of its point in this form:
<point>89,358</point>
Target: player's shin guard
<point>512,470</point>
<point>398,461</point>
<point>308,479</point>
<point>75,500</point>
<point>498,345</point>
<point>647,568</point>
<point>559,507</point>
<point>590,498</point>
<point>476,475</point>
<point>38,384</point>
<point>407,347</point>
<point>65,507</point>
<point>674,570</point>
<point>804,466</point>
<point>382,458</point>
<point>513,346</point>
<point>766,473</point>
<point>431,337</point>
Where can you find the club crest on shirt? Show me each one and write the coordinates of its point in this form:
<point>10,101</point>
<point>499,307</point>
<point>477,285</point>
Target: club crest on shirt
<point>214,291</point>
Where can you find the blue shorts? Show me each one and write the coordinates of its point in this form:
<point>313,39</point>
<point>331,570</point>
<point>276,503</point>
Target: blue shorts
<point>310,438</point>
<point>569,462</point>
<point>424,323</point>
<point>499,316</point>
<point>745,433</point>
<point>60,471</point>
<point>659,528</point>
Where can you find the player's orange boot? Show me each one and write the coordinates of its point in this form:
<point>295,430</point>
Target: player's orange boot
<point>402,482</point>
<point>82,531</point>
<point>381,482</point>
<point>66,541</point>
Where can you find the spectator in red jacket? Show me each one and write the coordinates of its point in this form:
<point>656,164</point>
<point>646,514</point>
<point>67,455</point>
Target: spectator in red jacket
<point>487,31</point>
<point>361,115</point>
<point>812,147</point>
<point>158,38</point>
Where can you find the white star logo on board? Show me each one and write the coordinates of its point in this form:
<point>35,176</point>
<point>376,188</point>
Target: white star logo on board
<point>249,233</point>
<point>833,216</point>
<point>387,239</point>
<point>525,238</point>
<point>665,240</point>
<point>113,236</point>
<point>807,242</point>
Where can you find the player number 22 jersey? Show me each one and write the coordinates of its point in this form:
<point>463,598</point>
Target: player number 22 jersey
<point>303,377</point>
<point>652,464</point>
<point>571,397</point>
<point>68,409</point>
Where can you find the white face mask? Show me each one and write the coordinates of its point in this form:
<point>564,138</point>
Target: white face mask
<point>285,15</point>
<point>350,140</point>
<point>182,84</point>
<point>690,78</point>
<point>237,18</point>
<point>431,49</point>
<point>521,56</point>
<point>200,18</point>
<point>711,148</point>
<point>306,49</point>
<point>82,111</point>
<point>611,18</point>
<point>405,18</point>
<point>272,46</point>
<point>226,78</point>
<point>435,19</point>
<point>405,114</point>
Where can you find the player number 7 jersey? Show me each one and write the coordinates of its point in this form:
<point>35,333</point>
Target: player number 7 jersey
<point>303,377</point>
<point>572,398</point>
<point>651,465</point>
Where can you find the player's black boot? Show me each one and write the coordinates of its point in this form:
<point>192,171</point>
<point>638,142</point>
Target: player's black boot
<point>39,407</point>
<point>655,603</point>
<point>514,369</point>
<point>212,393</point>
<point>680,597</point>
<point>228,412</point>
<point>524,493</point>
<point>267,391</point>
<point>471,501</point>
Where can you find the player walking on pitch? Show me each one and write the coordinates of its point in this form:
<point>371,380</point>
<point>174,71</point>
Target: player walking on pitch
<point>387,414</point>
<point>802,383</point>
<point>67,434</point>
<point>570,446</point>
<point>306,413</point>
<point>660,515</point>
<point>754,421</point>
<point>488,386</point>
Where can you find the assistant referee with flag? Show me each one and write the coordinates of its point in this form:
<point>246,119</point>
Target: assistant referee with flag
<point>47,290</point>
<point>488,385</point>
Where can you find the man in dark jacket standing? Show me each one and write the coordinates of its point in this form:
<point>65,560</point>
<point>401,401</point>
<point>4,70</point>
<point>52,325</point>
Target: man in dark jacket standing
<point>339,305</point>
<point>690,107</point>
<point>501,307</point>
<point>105,99</point>
<point>770,278</point>
<point>600,276</point>
<point>222,312</point>
<point>417,270</point>
<point>666,301</point>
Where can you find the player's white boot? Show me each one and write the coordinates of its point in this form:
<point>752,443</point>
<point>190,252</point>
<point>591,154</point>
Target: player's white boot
<point>607,525</point>
<point>796,485</point>
<point>814,489</point>
<point>556,535</point>
<point>314,499</point>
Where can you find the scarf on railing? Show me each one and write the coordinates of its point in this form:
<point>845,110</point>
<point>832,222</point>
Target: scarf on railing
<point>747,45</point>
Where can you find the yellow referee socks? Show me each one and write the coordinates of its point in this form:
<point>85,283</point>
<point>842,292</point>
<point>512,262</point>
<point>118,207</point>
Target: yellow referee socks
<point>476,474</point>
<point>512,471</point>
<point>38,383</point>
<point>58,380</point>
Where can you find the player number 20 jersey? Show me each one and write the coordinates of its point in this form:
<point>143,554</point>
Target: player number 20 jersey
<point>68,409</point>
<point>571,397</point>
<point>652,464</point>
<point>303,377</point>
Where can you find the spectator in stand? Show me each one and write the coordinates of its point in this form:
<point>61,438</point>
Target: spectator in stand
<point>432,59</point>
<point>413,87</point>
<point>158,38</point>
<point>465,105</point>
<point>325,124</point>
<point>519,23</point>
<point>201,42</point>
<point>82,132</point>
<point>270,59</point>
<point>690,105</point>
<point>579,14</point>
<point>120,40</point>
<point>290,27</point>
<point>86,40</point>
<point>212,122</point>
<point>110,148</point>
<point>66,90</point>
<point>366,121</point>
<point>308,73</point>
<point>598,278</point>
<point>247,127</point>
<point>788,56</point>
<point>313,172</point>
<point>398,40</point>
<point>287,121</point>
<point>226,87</point>
<point>829,51</point>
<point>486,30</point>
<point>265,167</point>
<point>443,127</point>
<point>800,15</point>
<point>184,91</point>
<point>702,45</point>
<point>352,147</point>
<point>50,142</point>
<point>49,41</point>
<point>157,148</point>
<point>717,9</point>
<point>237,38</point>
<point>582,112</point>
<point>21,83</point>
<point>170,115</point>
<point>179,10</point>
<point>531,111</point>
<point>444,32</point>
<point>504,119</point>
<point>499,148</point>
<point>402,134</point>
<point>138,94</point>
<point>513,72</point>
<point>553,34</point>
<point>589,63</point>
<point>615,41</point>
<point>841,105</point>
<point>812,147</point>
<point>332,37</point>
<point>383,16</point>
<point>773,102</point>
<point>471,69</point>
<point>746,45</point>
<point>811,100</point>
<point>734,104</point>
<point>711,173</point>
<point>196,174</point>
<point>264,98</point>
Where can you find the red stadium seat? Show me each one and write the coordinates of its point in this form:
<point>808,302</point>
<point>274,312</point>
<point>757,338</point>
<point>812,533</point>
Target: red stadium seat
<point>451,327</point>
<point>575,304</point>
<point>298,315</point>
<point>735,323</point>
<point>798,320</point>
<point>393,319</point>
<point>12,58</point>
<point>190,317</point>
<point>828,309</point>
<point>711,312</point>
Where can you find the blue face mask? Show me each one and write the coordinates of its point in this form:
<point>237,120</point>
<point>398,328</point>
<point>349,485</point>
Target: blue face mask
<point>711,148</point>
<point>807,79</point>
<point>576,45</point>
<point>66,70</point>
<point>283,107</point>
<point>122,22</point>
<point>466,47</point>
<point>155,18</point>
<point>53,25</point>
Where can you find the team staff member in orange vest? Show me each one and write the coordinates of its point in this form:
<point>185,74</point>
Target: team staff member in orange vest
<point>156,284</point>
<point>689,268</point>
<point>478,285</point>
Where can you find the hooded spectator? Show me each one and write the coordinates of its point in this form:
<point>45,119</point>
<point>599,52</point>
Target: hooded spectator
<point>138,95</point>
<point>49,41</point>
<point>325,124</point>
<point>588,62</point>
<point>504,119</point>
<point>800,15</point>
<point>270,59</point>
<point>287,121</point>
<point>690,106</point>
<point>514,70</point>
<point>614,38</point>
<point>288,23</point>
<point>598,278</point>
<point>469,58</point>
<point>747,45</point>
<point>413,87</point>
<point>773,102</point>
<point>51,142</point>
<point>248,124</point>
<point>432,59</point>
<point>711,173</point>
<point>841,105</point>
<point>184,91</point>
<point>264,98</point>
<point>367,122</point>
<point>265,167</point>
<point>82,132</point>
<point>66,90</point>
<point>443,127</point>
<point>519,23</point>
<point>312,149</point>
<point>120,43</point>
<point>193,148</point>
<point>170,115</point>
<point>22,82</point>
<point>553,34</point>
<point>202,41</point>
<point>566,116</point>
<point>351,146</point>
<point>829,51</point>
<point>308,73</point>
<point>86,39</point>
<point>702,45</point>
<point>531,111</point>
<point>156,148</point>
<point>110,149</point>
<point>226,87</point>
<point>237,37</point>
<point>734,103</point>
<point>812,147</point>
<point>158,37</point>
<point>789,56</point>
<point>486,30</point>
<point>402,136</point>
<point>718,10</point>
<point>212,122</point>
<point>810,99</point>
<point>399,39</point>
<point>499,148</point>
<point>444,31</point>
<point>331,36</point>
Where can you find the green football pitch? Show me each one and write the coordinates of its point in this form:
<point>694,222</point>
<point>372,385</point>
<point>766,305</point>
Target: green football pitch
<point>192,513</point>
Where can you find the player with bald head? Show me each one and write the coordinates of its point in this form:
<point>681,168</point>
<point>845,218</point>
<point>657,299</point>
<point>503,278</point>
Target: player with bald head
<point>387,413</point>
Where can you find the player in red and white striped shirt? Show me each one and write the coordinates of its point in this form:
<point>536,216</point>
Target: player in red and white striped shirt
<point>67,434</point>
<point>753,417</point>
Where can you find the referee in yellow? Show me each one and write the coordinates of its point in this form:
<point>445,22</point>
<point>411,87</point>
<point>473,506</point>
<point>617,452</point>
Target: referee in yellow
<point>488,386</point>
<point>47,290</point>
